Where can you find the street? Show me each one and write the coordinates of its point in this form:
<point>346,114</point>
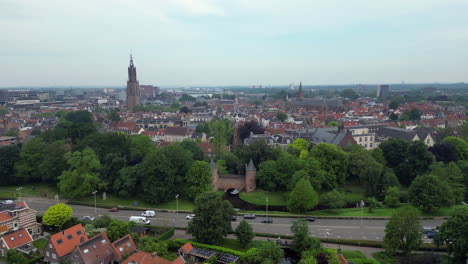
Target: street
<point>322,228</point>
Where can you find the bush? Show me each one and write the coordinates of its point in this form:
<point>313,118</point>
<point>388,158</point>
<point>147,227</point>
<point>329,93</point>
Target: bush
<point>333,199</point>
<point>166,235</point>
<point>363,261</point>
<point>349,254</point>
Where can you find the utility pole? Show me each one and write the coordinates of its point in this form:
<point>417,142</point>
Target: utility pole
<point>177,208</point>
<point>267,209</point>
<point>95,209</point>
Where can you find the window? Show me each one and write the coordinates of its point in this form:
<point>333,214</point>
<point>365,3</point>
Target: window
<point>20,235</point>
<point>370,145</point>
<point>365,145</point>
<point>15,225</point>
<point>59,241</point>
<point>121,249</point>
<point>365,139</point>
<point>427,141</point>
<point>94,246</point>
<point>129,245</point>
<point>85,251</point>
<point>30,231</point>
<point>69,237</point>
<point>360,139</point>
<point>103,241</point>
<point>54,256</point>
<point>50,245</point>
<point>47,254</point>
<point>78,232</point>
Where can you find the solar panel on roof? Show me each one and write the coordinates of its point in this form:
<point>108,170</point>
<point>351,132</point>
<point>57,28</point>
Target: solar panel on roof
<point>202,253</point>
<point>228,258</point>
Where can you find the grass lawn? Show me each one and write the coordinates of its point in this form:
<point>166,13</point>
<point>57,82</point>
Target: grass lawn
<point>259,197</point>
<point>115,201</point>
<point>232,244</point>
<point>32,189</point>
<point>376,212</point>
<point>350,254</point>
<point>40,243</point>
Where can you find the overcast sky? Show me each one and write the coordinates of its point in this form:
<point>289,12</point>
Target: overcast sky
<point>232,42</point>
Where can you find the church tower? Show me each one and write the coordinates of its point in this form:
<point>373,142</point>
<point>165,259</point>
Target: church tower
<point>300,93</point>
<point>133,88</point>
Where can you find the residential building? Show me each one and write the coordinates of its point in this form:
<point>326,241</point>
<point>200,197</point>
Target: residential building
<point>6,141</point>
<point>20,240</point>
<point>17,216</point>
<point>363,137</point>
<point>97,249</point>
<point>60,245</point>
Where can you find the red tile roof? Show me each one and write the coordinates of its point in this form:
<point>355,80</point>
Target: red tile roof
<point>342,259</point>
<point>70,238</point>
<point>140,258</point>
<point>160,260</point>
<point>124,246</point>
<point>178,260</point>
<point>187,247</point>
<point>4,216</point>
<point>17,238</point>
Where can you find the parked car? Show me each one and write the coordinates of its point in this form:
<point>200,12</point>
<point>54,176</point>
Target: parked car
<point>190,217</point>
<point>233,218</point>
<point>7,202</point>
<point>87,217</point>
<point>309,219</point>
<point>430,231</point>
<point>149,213</point>
<point>139,220</point>
<point>267,220</point>
<point>249,216</point>
<point>114,209</point>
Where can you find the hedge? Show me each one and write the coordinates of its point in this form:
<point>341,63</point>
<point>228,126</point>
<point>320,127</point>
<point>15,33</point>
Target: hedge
<point>181,242</point>
<point>166,235</point>
<point>363,261</point>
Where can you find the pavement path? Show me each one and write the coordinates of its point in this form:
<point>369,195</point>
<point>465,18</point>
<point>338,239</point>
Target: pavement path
<point>322,228</point>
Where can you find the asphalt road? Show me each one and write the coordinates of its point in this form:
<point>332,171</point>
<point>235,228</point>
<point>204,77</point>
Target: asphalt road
<point>331,228</point>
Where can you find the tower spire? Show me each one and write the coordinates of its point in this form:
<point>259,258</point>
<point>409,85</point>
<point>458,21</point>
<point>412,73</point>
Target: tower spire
<point>131,60</point>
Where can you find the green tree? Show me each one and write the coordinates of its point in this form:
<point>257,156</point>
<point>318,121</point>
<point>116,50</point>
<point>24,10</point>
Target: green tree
<point>268,252</point>
<point>453,176</point>
<point>198,179</point>
<point>79,117</point>
<point>220,138</point>
<point>15,257</point>
<point>31,157</point>
<point>113,115</point>
<point>463,131</point>
<point>393,105</point>
<point>403,231</point>
<point>454,233</point>
<point>139,146</point>
<point>333,160</point>
<point>212,218</point>
<point>301,239</point>
<point>57,215</point>
<point>460,146</point>
<point>9,155</point>
<point>392,197</point>
<point>349,93</point>
<point>117,229</point>
<point>197,151</point>
<point>298,146</point>
<point>333,199</point>
<point>82,177</point>
<point>303,197</point>
<point>333,124</point>
<point>372,204</point>
<point>428,193</point>
<point>393,116</point>
<point>413,114</point>
<point>244,233</point>
<point>282,116</point>
<point>53,161</point>
<point>308,260</point>
<point>150,244</point>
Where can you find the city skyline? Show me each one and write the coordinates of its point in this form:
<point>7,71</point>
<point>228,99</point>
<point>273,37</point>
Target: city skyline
<point>211,43</point>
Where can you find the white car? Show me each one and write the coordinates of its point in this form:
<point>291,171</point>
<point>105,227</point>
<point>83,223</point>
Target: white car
<point>87,217</point>
<point>149,213</point>
<point>190,217</point>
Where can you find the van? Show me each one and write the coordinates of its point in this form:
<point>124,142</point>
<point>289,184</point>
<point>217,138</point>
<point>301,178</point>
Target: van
<point>139,220</point>
<point>149,213</point>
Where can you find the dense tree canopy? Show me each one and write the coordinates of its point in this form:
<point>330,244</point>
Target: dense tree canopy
<point>403,231</point>
<point>9,155</point>
<point>198,179</point>
<point>454,233</point>
<point>303,197</point>
<point>428,193</point>
<point>333,160</point>
<point>212,218</point>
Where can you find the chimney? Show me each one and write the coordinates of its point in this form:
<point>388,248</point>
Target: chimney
<point>63,232</point>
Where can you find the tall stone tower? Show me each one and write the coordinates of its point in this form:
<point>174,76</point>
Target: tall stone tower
<point>250,177</point>
<point>133,88</point>
<point>300,93</point>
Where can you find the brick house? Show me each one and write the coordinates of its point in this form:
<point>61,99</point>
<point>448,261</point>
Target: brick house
<point>6,141</point>
<point>62,244</point>
<point>234,181</point>
<point>20,240</point>
<point>18,215</point>
<point>123,247</point>
<point>97,249</point>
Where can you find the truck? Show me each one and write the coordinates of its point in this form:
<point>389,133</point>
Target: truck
<point>139,220</point>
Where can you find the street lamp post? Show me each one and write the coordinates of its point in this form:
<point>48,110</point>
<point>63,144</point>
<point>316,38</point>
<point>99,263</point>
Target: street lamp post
<point>177,207</point>
<point>266,209</point>
<point>95,209</point>
<point>362,205</point>
<point>19,192</point>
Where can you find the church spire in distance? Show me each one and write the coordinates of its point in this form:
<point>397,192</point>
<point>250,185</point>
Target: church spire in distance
<point>133,88</point>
